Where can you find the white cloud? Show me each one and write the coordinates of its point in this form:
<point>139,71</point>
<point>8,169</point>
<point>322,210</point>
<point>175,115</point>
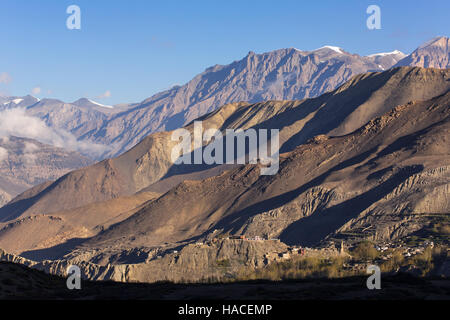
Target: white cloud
<point>36,90</point>
<point>3,154</point>
<point>5,78</point>
<point>29,156</point>
<point>15,122</point>
<point>104,95</point>
<point>30,147</point>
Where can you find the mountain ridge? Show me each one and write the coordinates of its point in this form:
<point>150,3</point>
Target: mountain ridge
<point>302,126</point>
<point>337,112</point>
<point>283,74</point>
<point>432,54</point>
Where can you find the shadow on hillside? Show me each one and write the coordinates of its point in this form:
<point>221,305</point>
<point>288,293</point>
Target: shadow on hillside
<point>11,211</point>
<point>312,229</point>
<point>43,286</point>
<point>237,219</point>
<point>339,104</point>
<point>55,252</point>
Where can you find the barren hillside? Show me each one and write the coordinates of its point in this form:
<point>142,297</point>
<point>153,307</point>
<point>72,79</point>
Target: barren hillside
<point>383,181</point>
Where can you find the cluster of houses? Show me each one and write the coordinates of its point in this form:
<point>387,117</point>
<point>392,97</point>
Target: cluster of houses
<point>292,251</point>
<point>242,237</point>
<point>255,238</point>
<point>407,251</point>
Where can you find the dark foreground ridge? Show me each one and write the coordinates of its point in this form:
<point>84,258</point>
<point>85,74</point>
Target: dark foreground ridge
<point>20,282</point>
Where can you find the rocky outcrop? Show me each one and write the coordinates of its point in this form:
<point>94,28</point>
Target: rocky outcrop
<point>193,263</point>
<point>432,54</point>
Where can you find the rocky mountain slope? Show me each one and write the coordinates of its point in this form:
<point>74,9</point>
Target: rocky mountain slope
<point>380,175</point>
<point>284,74</point>
<point>48,230</point>
<point>25,163</point>
<point>381,182</point>
<point>336,113</point>
<point>17,102</point>
<point>432,54</point>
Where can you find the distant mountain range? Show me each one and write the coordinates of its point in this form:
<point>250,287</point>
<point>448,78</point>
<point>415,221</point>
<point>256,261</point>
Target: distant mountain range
<point>17,102</point>
<point>25,163</point>
<point>278,75</point>
<point>104,131</point>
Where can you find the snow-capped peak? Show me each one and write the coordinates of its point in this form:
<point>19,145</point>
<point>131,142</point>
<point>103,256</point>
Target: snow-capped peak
<point>382,54</point>
<point>17,101</point>
<point>335,49</point>
<point>99,104</point>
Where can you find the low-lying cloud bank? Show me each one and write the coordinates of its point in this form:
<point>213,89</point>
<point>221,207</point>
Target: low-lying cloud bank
<point>15,122</point>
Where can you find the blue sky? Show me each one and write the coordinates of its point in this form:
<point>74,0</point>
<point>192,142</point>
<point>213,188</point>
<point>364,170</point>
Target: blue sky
<point>133,49</point>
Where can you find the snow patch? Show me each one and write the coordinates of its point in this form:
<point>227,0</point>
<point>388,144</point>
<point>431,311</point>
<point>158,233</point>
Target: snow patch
<point>335,49</point>
<point>99,104</point>
<point>382,54</point>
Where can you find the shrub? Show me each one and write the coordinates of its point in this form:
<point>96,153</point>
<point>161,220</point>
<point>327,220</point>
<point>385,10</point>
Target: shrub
<point>223,263</point>
<point>299,268</point>
<point>365,251</point>
<point>397,260</point>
